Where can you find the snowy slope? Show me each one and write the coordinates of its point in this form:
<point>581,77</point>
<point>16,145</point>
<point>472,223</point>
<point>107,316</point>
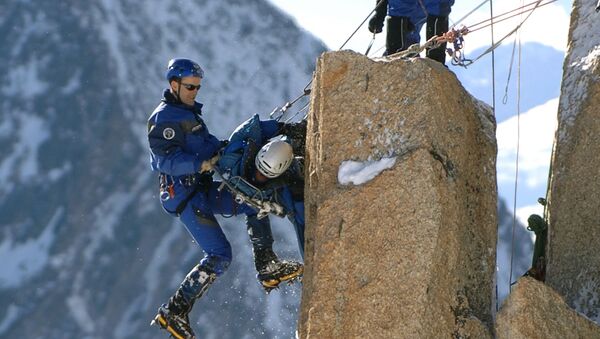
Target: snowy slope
<point>87,250</point>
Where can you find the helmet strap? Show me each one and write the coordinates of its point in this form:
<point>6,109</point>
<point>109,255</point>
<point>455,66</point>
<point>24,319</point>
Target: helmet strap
<point>178,89</point>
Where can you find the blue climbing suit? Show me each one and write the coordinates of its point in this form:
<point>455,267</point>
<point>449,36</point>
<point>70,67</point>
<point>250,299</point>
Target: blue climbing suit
<point>179,143</point>
<point>287,190</point>
<point>412,7</point>
<point>414,10</point>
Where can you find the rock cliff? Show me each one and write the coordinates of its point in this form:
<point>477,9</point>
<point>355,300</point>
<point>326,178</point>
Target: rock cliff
<point>574,234</point>
<point>535,311</point>
<point>401,203</point>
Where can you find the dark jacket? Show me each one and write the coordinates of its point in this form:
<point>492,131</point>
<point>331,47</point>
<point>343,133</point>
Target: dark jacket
<point>179,142</point>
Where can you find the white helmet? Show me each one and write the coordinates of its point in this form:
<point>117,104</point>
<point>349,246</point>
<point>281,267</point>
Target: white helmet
<point>274,158</point>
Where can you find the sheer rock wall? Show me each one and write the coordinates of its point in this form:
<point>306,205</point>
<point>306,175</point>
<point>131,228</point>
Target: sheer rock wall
<point>573,268</point>
<point>411,252</point>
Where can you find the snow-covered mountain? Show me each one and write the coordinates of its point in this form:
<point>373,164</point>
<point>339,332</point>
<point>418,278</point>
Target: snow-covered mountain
<point>87,251</point>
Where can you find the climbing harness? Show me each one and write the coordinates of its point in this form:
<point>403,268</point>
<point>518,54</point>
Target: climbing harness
<point>453,36</point>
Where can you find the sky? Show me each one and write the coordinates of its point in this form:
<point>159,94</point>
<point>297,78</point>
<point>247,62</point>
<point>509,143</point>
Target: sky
<point>333,22</point>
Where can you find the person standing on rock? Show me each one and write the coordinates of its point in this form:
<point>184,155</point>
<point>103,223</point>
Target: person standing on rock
<point>406,17</point>
<point>183,151</point>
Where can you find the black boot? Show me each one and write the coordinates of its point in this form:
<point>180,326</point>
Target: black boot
<point>398,29</point>
<point>173,316</point>
<point>272,271</point>
<point>437,25</point>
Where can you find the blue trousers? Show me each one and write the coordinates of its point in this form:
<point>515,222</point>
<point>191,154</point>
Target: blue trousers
<point>295,213</point>
<point>199,219</point>
<point>297,220</point>
<point>410,8</point>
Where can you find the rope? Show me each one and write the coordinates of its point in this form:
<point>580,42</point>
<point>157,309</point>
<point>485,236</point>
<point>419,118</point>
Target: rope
<point>486,23</point>
<point>495,45</point>
<point>493,94</point>
<point>283,110</point>
<point>514,226</point>
<point>306,90</point>
<point>469,14</point>
<point>362,23</point>
<point>454,36</point>
<point>370,45</point>
<point>493,60</point>
<point>300,110</point>
<point>512,58</point>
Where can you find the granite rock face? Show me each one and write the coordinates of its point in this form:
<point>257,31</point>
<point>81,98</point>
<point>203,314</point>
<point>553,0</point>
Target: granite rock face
<point>534,310</point>
<point>573,268</point>
<point>401,203</point>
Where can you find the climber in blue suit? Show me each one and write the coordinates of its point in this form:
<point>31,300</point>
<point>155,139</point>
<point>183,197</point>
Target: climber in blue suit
<point>272,168</point>
<point>183,151</point>
<point>406,17</point>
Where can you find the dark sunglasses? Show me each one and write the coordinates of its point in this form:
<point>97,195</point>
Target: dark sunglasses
<point>191,87</point>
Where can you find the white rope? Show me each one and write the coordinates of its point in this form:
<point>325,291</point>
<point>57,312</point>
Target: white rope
<point>514,226</point>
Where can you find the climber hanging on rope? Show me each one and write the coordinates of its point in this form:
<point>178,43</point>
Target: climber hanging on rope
<point>257,166</point>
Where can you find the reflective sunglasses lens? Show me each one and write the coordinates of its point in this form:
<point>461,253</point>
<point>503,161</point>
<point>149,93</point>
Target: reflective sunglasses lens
<point>191,87</point>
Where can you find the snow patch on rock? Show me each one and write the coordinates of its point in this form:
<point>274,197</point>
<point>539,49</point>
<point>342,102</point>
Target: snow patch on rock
<point>358,173</point>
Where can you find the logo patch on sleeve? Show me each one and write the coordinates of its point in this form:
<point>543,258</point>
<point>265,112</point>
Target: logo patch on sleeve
<point>169,133</point>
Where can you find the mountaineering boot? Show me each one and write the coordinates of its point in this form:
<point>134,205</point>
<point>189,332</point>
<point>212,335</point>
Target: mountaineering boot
<point>398,29</point>
<point>272,271</point>
<point>177,325</point>
<point>437,25</point>
<point>173,316</point>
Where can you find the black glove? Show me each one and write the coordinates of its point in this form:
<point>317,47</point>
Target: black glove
<point>376,22</point>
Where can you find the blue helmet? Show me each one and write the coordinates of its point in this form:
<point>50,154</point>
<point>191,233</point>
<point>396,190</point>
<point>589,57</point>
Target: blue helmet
<point>180,67</point>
